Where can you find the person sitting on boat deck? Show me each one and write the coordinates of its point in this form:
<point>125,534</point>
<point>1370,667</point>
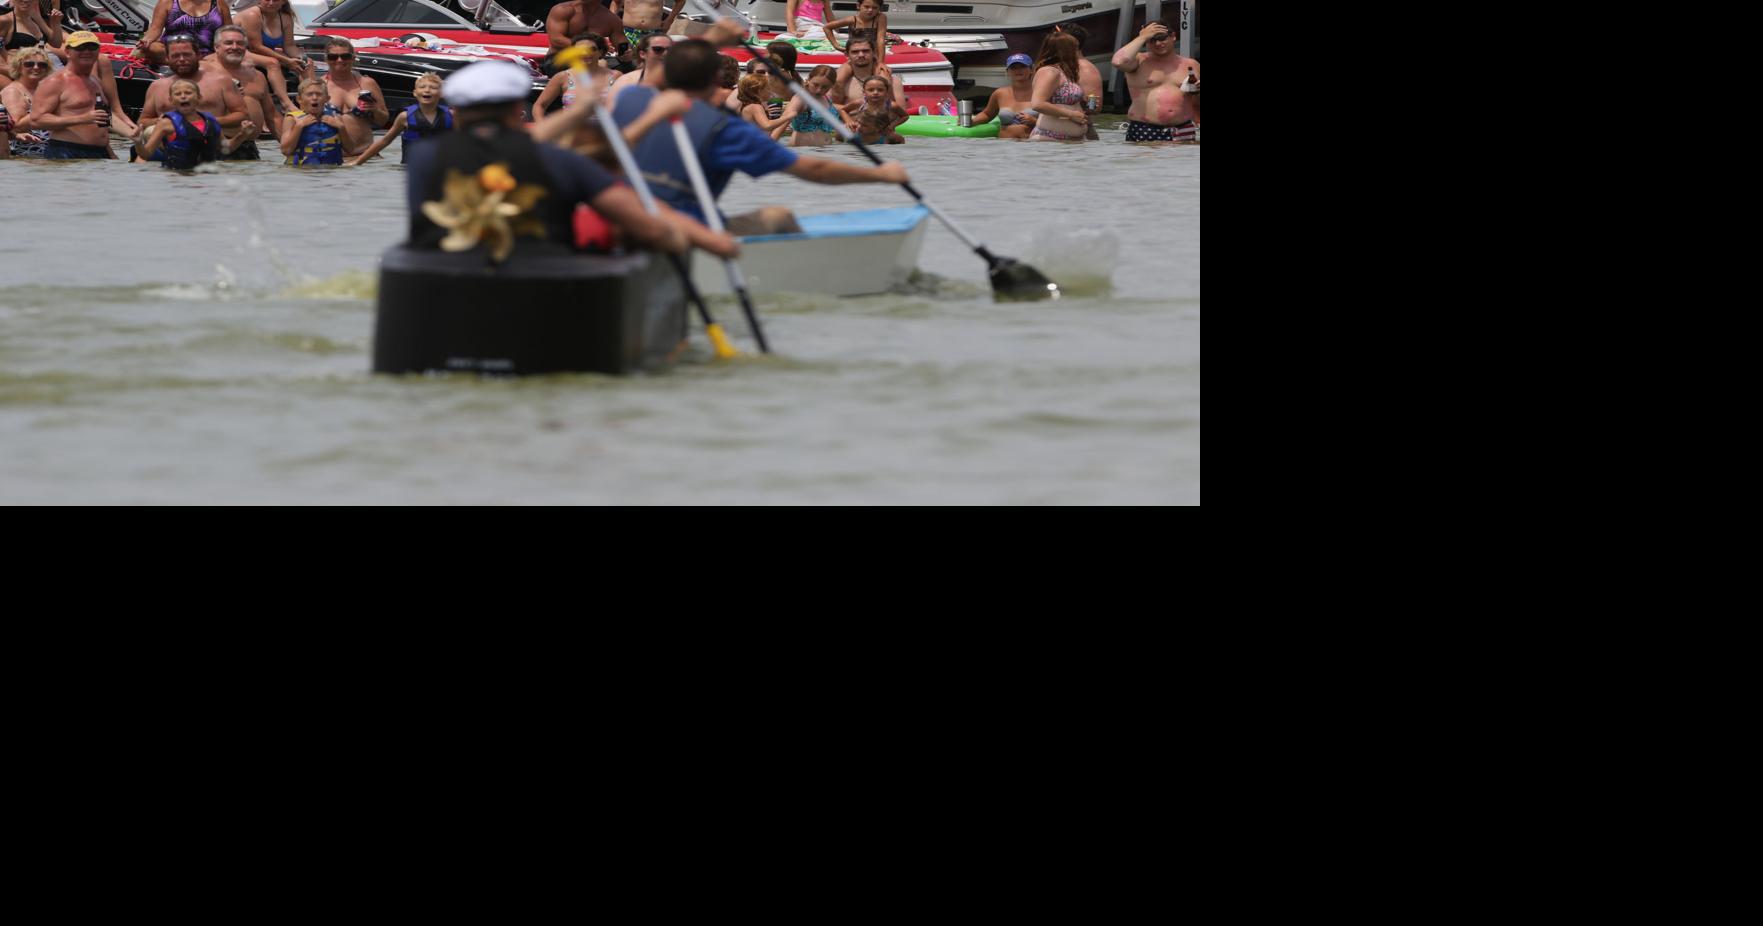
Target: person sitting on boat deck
<point>190,137</point>
<point>860,65</point>
<point>488,142</point>
<point>1160,111</point>
<point>574,17</point>
<point>30,25</point>
<point>416,123</point>
<point>806,126</point>
<point>356,96</point>
<point>645,17</point>
<point>728,80</point>
<point>726,144</point>
<point>1012,106</point>
<point>876,116</point>
<point>565,84</point>
<point>270,25</point>
<point>871,22</point>
<point>231,58</point>
<point>178,17</point>
<point>71,105</point>
<point>1059,99</point>
<point>1088,77</point>
<point>806,18</point>
<point>652,55</point>
<point>30,67</point>
<point>218,95</point>
<point>313,136</point>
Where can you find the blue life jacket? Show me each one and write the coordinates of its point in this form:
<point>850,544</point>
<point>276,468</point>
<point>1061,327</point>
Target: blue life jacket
<point>658,157</point>
<point>320,144</point>
<point>187,147</point>
<point>415,131</point>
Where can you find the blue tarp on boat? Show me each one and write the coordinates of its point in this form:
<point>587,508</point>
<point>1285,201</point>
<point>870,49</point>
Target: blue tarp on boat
<point>894,221</point>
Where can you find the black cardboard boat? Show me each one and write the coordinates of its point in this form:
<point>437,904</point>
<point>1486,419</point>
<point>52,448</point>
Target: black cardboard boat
<point>533,314</point>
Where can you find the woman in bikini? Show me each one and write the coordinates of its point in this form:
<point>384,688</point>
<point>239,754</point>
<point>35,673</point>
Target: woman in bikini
<point>199,18</point>
<point>566,85</point>
<point>30,25</point>
<point>270,26</point>
<point>1058,97</point>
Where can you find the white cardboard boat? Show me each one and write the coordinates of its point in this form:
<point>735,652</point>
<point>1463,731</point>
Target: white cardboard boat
<point>838,254</point>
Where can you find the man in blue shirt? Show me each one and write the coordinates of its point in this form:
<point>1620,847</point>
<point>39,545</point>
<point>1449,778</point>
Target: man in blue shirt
<point>726,143</point>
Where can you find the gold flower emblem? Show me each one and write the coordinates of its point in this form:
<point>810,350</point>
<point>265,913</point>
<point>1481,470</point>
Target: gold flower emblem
<point>489,207</point>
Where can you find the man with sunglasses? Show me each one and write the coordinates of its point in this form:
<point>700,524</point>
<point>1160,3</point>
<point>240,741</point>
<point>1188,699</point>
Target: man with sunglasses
<point>1161,110</point>
<point>71,105</point>
<point>346,89</point>
<point>652,53</point>
<point>215,91</point>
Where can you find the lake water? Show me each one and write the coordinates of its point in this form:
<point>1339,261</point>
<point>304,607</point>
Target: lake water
<point>169,339</point>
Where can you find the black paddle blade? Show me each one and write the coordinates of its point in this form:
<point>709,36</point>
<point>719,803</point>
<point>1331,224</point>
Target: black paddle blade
<point>1015,281</point>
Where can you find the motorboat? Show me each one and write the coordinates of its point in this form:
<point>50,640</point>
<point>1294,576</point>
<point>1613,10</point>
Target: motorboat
<point>1020,24</point>
<point>837,254</point>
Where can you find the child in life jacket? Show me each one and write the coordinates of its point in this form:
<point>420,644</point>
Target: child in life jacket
<point>423,120</point>
<point>190,137</point>
<point>312,135</point>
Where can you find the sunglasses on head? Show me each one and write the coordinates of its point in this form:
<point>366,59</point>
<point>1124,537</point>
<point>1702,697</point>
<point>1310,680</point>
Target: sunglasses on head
<point>347,57</point>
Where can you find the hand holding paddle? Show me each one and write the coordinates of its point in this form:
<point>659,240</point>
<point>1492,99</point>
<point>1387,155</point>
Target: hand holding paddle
<point>706,202</point>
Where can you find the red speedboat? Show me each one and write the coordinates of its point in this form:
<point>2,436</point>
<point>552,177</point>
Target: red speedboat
<point>516,28</point>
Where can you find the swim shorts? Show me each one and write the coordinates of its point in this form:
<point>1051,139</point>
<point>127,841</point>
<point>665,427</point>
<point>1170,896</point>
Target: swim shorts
<point>1146,131</point>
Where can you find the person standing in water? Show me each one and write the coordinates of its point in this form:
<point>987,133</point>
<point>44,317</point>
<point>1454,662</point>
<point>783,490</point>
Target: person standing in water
<point>189,136</point>
<point>230,58</point>
<point>1011,105</point>
<point>1058,98</point>
<point>72,107</point>
<point>417,123</point>
<point>1155,73</point>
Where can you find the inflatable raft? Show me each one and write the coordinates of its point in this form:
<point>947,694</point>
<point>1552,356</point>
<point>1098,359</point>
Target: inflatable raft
<point>563,313</point>
<point>946,127</point>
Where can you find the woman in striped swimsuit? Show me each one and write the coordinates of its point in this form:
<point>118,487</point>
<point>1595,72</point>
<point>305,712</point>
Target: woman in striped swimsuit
<point>1057,96</point>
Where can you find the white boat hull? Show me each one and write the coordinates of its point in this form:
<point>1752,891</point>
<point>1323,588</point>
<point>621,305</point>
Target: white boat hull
<point>840,254</point>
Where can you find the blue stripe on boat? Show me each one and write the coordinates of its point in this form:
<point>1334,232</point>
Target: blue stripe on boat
<point>895,221</point>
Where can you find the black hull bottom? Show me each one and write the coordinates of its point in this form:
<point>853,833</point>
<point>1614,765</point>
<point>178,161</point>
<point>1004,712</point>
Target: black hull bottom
<point>441,312</point>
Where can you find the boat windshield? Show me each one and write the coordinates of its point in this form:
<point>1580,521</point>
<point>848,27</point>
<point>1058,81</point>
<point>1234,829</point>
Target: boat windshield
<point>489,13</point>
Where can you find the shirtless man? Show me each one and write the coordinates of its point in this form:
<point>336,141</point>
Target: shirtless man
<point>1011,104</point>
<point>642,17</point>
<point>67,104</point>
<point>574,17</point>
<point>232,48</point>
<point>1160,110</point>
<point>217,93</point>
<point>346,86</point>
<point>859,66</point>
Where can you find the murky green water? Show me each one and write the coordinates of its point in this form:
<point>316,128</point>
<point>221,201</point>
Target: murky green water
<point>171,339</point>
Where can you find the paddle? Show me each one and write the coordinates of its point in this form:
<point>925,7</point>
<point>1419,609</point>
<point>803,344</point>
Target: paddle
<point>1011,279</point>
<point>736,280</point>
<point>572,58</point>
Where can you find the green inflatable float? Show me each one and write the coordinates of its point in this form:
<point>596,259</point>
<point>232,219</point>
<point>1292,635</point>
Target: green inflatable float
<point>946,127</point>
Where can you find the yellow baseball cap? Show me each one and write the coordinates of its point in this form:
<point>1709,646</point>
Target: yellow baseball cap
<point>82,38</point>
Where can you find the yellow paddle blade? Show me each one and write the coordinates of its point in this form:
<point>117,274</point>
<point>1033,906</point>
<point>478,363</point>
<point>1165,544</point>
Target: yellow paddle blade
<point>571,58</point>
<point>724,350</point>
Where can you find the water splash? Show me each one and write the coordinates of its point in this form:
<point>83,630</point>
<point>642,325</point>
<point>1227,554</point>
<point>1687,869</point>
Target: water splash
<point>1082,260</point>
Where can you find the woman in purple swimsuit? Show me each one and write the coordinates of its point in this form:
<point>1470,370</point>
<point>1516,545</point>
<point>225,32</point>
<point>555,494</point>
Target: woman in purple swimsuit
<point>1057,96</point>
<point>179,17</point>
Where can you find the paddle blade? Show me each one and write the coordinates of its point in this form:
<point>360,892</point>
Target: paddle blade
<point>724,350</point>
<point>1015,281</point>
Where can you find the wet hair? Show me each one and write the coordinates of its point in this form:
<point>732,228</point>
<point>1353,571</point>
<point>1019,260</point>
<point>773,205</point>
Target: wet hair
<point>426,79</point>
<point>1058,50</point>
<point>784,52</point>
<point>728,72</point>
<point>312,82</point>
<point>885,82</point>
<point>183,80</point>
<point>691,65</point>
<point>754,88</point>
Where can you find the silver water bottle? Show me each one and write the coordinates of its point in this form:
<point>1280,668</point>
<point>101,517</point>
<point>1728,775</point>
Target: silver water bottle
<point>965,119</point>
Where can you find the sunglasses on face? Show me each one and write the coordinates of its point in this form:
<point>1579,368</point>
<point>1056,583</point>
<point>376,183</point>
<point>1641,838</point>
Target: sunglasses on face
<point>36,64</point>
<point>1160,37</point>
<point>347,57</point>
<point>658,49</point>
